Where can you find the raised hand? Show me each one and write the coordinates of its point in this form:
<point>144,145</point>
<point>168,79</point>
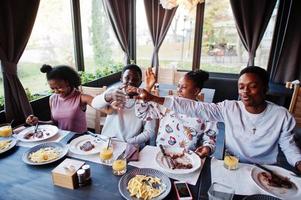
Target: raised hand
<point>32,120</point>
<point>116,95</point>
<point>142,93</point>
<point>150,79</point>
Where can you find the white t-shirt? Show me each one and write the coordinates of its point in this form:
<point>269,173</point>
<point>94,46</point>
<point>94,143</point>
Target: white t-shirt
<point>273,127</point>
<point>124,124</point>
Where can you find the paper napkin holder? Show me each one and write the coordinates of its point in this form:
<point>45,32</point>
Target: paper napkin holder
<point>64,174</point>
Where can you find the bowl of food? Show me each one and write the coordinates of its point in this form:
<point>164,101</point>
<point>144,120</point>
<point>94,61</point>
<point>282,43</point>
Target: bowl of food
<point>143,184</point>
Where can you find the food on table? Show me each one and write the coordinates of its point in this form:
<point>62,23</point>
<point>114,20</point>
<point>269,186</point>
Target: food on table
<point>5,131</point>
<point>179,160</point>
<point>40,133</point>
<point>145,187</point>
<point>106,153</point>
<point>44,154</point>
<point>87,146</point>
<point>231,162</point>
<point>276,180</point>
<point>5,144</point>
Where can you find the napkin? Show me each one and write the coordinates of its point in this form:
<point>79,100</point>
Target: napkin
<point>132,152</point>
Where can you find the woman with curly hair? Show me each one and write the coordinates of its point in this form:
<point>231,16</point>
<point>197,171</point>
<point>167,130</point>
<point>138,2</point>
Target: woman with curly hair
<point>67,103</point>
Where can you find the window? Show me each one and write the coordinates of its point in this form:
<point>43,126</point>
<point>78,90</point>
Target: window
<point>102,52</point>
<point>51,42</point>
<point>222,49</point>
<point>177,48</point>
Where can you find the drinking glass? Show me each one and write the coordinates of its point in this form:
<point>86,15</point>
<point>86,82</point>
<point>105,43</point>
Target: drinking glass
<point>6,130</point>
<point>218,191</point>
<point>106,154</point>
<point>119,166</point>
<point>231,161</point>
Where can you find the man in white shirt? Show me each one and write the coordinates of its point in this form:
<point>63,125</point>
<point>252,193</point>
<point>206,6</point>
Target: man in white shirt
<point>253,127</point>
<point>122,123</point>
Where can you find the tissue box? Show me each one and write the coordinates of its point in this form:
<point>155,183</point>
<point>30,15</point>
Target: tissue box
<point>64,174</point>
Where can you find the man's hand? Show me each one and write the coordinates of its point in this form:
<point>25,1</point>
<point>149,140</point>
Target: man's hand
<point>150,79</point>
<point>117,96</point>
<point>142,93</point>
<point>203,151</point>
<point>32,120</point>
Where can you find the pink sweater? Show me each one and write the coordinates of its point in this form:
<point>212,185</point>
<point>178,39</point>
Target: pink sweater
<point>68,113</point>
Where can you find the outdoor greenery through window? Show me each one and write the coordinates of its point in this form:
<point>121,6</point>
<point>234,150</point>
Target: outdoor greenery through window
<point>222,49</point>
<point>102,52</point>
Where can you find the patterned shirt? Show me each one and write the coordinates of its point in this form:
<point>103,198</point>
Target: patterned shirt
<point>177,129</point>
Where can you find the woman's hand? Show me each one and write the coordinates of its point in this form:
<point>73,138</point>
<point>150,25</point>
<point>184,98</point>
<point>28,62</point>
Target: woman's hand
<point>142,93</point>
<point>298,166</point>
<point>32,120</point>
<point>203,151</point>
<point>150,79</point>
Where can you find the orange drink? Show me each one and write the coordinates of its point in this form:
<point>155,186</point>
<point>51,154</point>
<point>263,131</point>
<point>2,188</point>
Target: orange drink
<point>231,162</point>
<point>6,130</point>
<point>119,167</point>
<point>106,155</point>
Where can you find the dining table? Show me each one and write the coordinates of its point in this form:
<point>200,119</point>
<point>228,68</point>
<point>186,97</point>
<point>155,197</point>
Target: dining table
<point>19,180</point>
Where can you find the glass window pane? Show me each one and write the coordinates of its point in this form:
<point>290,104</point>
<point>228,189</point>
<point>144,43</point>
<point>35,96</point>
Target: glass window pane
<point>102,52</point>
<point>222,49</point>
<point>177,47</point>
<point>51,42</point>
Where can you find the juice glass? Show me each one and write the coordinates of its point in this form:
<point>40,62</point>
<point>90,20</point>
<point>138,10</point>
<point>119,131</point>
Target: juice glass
<point>119,166</point>
<point>5,130</point>
<point>231,161</point>
<point>106,154</point>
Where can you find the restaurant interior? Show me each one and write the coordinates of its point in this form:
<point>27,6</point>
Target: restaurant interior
<point>222,76</point>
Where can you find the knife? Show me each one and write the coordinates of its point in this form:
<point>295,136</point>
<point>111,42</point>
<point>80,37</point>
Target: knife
<point>264,168</point>
<point>165,156</point>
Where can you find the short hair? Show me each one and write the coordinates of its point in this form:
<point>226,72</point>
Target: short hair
<point>62,72</point>
<point>199,77</point>
<point>133,67</point>
<point>261,73</point>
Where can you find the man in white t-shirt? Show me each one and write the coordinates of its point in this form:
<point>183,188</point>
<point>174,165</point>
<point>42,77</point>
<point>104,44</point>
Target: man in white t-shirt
<point>254,127</point>
<point>122,123</point>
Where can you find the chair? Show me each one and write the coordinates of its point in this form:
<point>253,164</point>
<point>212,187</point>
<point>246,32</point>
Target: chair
<point>95,118</point>
<point>295,105</point>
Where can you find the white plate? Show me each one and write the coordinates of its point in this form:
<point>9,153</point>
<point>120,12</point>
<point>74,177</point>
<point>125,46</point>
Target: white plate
<point>11,145</point>
<point>63,150</point>
<point>282,193</point>
<point>48,132</point>
<point>75,145</point>
<point>192,158</point>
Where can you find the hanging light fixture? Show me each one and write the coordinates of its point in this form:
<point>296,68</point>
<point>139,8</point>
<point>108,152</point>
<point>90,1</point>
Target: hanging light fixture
<point>187,4</point>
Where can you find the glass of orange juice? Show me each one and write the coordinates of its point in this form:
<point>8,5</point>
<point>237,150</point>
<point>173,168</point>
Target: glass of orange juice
<point>119,166</point>
<point>106,154</point>
<point>5,130</point>
<point>231,161</point>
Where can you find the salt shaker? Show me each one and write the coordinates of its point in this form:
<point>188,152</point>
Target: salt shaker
<point>81,177</point>
<point>87,171</point>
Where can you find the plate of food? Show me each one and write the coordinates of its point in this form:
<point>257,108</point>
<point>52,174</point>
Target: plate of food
<point>144,183</point>
<point>43,132</point>
<point>281,184</point>
<point>178,161</point>
<point>45,153</point>
<point>7,144</point>
<point>86,145</point>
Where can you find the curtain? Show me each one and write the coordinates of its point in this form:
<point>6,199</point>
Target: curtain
<point>118,12</point>
<point>285,61</point>
<point>252,18</point>
<point>159,20</point>
<point>16,22</point>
